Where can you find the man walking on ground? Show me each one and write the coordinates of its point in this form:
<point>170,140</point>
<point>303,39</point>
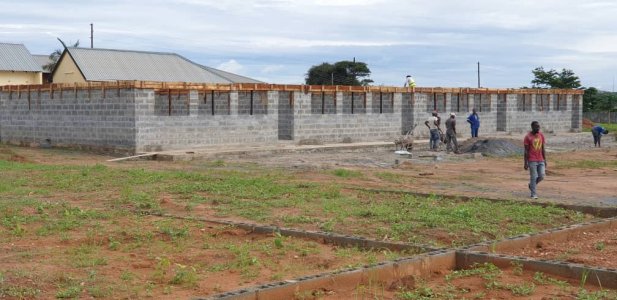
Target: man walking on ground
<point>433,126</point>
<point>474,122</point>
<point>451,134</point>
<point>597,132</point>
<point>535,157</point>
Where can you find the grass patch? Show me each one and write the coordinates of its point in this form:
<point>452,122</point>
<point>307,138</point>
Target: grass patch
<point>93,217</point>
<point>587,164</point>
<point>345,173</point>
<point>493,281</point>
<point>391,177</point>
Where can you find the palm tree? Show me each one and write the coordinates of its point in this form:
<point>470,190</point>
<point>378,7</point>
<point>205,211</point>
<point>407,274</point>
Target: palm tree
<point>54,56</point>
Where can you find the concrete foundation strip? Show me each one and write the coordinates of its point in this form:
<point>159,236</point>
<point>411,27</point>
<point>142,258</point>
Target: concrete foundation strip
<point>603,277</point>
<point>439,260</point>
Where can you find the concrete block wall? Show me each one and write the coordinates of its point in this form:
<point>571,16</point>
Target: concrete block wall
<point>353,103</point>
<point>91,119</point>
<point>139,120</point>
<point>370,126</point>
<point>179,104</point>
<point>551,120</point>
<point>285,115</point>
<point>253,102</point>
<point>425,103</point>
<point>156,133</point>
<point>213,100</point>
<point>323,102</point>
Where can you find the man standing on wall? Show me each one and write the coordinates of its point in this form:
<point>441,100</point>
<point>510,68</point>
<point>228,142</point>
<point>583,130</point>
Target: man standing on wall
<point>409,82</point>
<point>535,157</point>
<point>597,132</point>
<point>433,126</point>
<point>451,143</point>
<point>474,122</point>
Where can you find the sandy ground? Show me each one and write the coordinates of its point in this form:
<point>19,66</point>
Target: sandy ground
<point>475,174</point>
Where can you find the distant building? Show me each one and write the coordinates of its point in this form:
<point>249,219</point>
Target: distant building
<point>43,60</point>
<point>17,66</point>
<point>93,65</point>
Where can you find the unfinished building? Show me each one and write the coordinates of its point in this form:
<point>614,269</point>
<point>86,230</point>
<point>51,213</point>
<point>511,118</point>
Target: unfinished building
<point>134,117</point>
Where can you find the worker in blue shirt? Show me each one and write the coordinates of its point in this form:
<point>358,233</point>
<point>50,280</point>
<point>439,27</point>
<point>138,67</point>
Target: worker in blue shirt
<point>474,121</point>
<point>597,132</point>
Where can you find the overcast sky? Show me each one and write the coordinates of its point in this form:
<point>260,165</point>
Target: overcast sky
<point>439,42</point>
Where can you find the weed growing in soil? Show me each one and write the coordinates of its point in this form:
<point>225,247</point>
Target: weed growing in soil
<point>345,173</point>
<point>492,280</point>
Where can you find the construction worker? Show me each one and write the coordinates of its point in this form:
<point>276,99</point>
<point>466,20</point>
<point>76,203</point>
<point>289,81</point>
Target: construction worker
<point>451,143</point>
<point>433,125</point>
<point>409,82</point>
<point>597,132</point>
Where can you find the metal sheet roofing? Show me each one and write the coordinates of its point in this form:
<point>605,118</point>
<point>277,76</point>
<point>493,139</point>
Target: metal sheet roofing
<point>110,64</point>
<point>42,60</point>
<point>15,57</point>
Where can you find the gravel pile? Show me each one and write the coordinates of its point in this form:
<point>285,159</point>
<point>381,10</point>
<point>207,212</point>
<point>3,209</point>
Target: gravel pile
<point>493,147</point>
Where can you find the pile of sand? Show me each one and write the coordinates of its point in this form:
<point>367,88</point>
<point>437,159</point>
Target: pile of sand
<point>493,147</point>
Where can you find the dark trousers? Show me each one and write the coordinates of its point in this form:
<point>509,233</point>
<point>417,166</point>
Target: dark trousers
<point>474,131</point>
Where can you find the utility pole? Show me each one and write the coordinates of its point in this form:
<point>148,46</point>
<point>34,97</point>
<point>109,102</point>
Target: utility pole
<point>478,74</point>
<point>91,35</point>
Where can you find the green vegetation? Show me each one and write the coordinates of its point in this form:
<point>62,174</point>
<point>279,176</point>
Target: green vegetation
<point>346,173</point>
<point>457,285</point>
<point>94,218</point>
<point>586,164</point>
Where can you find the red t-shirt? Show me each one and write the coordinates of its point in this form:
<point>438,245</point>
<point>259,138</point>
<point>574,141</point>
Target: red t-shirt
<point>535,143</point>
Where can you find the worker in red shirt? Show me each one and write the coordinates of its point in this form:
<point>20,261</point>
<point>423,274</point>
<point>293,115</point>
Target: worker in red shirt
<point>535,157</point>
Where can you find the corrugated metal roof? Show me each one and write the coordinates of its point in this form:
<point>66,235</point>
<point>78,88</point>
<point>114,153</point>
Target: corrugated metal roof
<point>15,57</point>
<point>231,76</point>
<point>42,60</point>
<point>110,64</point>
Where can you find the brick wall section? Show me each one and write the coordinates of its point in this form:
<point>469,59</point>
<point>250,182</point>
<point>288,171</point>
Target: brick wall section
<point>370,126</point>
<point>179,104</point>
<point>255,102</point>
<point>323,103</point>
<point>96,119</point>
<point>138,120</point>
<point>551,120</point>
<point>220,105</point>
<point>156,133</point>
<point>285,115</point>
<point>407,116</point>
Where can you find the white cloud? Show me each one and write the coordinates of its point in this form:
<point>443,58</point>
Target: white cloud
<point>438,40</point>
<point>231,66</point>
<point>272,69</point>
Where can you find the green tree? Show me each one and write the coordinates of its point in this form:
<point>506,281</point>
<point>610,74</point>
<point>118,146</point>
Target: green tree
<point>55,56</point>
<point>341,73</point>
<point>566,79</point>
<point>594,100</point>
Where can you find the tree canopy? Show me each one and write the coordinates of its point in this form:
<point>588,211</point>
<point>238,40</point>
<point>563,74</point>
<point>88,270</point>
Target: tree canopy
<point>340,73</point>
<point>594,100</point>
<point>555,80</point>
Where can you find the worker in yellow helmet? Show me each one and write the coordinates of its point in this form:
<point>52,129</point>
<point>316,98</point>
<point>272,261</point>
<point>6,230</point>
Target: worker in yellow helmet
<point>409,82</point>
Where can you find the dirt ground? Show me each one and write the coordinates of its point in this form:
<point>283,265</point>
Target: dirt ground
<point>572,178</point>
<point>504,283</point>
<point>592,248</point>
<point>476,175</point>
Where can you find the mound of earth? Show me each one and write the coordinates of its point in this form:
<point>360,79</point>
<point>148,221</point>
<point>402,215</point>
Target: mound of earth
<point>493,147</point>
<point>587,124</point>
